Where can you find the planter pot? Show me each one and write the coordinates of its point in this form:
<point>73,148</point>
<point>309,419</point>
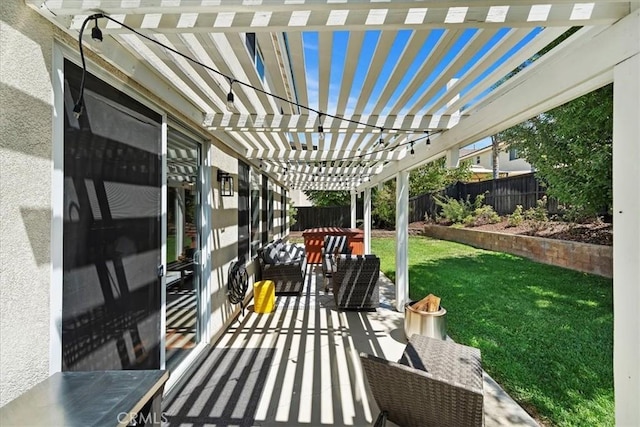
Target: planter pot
<point>430,324</point>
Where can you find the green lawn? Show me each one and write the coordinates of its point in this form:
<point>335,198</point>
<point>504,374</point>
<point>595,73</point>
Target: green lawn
<point>171,248</point>
<point>546,333</point>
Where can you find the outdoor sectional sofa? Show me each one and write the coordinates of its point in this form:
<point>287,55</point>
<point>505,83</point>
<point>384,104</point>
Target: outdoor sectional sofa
<point>285,264</point>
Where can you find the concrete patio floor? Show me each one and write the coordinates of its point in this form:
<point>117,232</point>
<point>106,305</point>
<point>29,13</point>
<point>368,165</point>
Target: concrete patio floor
<point>299,366</point>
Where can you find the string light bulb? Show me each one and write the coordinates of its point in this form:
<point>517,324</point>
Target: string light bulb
<point>413,152</point>
<point>231,106</point>
<point>96,33</point>
<point>320,127</point>
<point>428,139</point>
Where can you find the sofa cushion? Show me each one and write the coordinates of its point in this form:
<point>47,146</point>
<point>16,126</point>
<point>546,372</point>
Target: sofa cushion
<point>333,243</point>
<point>293,251</point>
<point>284,256</point>
<point>270,254</point>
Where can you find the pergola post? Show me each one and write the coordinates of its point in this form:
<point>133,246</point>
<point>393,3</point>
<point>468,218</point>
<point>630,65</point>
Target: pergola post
<point>354,212</point>
<point>626,240</point>
<point>367,220</point>
<point>453,158</point>
<point>402,239</point>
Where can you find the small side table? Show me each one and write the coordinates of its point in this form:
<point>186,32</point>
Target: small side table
<point>264,296</point>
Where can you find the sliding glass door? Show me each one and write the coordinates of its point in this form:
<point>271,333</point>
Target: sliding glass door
<point>183,279</point>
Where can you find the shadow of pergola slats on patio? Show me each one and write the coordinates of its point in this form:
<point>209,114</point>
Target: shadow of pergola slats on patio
<point>296,366</point>
<point>300,366</point>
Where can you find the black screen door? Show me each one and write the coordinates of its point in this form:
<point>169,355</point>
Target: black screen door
<point>111,244</point>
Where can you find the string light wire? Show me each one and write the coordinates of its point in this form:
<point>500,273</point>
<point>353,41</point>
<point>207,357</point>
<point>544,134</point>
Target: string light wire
<point>231,79</point>
<point>97,34</point>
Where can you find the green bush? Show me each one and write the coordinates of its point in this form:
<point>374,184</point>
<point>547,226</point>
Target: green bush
<point>539,213</point>
<point>466,213</point>
<point>576,214</point>
<point>293,214</point>
<point>483,215</point>
<point>454,211</point>
<point>516,218</point>
<point>384,207</point>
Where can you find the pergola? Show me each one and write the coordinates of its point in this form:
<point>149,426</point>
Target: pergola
<point>347,94</point>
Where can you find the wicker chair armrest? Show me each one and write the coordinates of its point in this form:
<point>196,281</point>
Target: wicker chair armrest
<point>449,361</point>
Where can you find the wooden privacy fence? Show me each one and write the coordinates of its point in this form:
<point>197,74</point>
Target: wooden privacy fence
<point>331,216</point>
<point>502,194</point>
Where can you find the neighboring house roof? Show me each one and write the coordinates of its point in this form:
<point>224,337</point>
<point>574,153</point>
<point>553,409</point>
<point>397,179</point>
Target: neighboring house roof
<point>466,153</point>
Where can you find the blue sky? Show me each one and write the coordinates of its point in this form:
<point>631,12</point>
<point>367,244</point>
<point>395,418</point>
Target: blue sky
<point>340,47</point>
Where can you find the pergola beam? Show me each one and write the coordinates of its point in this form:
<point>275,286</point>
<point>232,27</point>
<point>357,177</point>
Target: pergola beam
<point>230,17</point>
<point>314,156</point>
<point>308,122</point>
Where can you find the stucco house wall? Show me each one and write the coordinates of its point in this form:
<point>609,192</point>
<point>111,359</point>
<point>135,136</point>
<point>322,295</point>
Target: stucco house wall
<point>224,237</point>
<point>26,101</point>
<point>506,165</point>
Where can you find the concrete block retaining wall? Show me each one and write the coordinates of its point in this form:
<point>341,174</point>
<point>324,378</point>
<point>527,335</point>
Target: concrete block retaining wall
<point>585,257</point>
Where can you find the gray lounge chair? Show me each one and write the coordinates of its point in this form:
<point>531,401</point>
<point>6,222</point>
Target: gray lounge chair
<point>435,383</point>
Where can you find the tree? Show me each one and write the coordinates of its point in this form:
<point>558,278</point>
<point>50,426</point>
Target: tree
<point>435,176</point>
<point>383,211</point>
<point>495,156</point>
<point>432,177</point>
<point>571,149</point>
<point>328,198</point>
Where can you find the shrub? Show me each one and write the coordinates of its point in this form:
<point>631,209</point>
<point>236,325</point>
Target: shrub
<point>293,214</point>
<point>384,207</point>
<point>539,213</point>
<point>454,211</point>
<point>467,213</point>
<point>575,214</point>
<point>483,215</point>
<point>516,218</point>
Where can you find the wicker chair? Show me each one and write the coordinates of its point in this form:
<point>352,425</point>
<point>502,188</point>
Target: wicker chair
<point>355,282</point>
<point>435,383</point>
